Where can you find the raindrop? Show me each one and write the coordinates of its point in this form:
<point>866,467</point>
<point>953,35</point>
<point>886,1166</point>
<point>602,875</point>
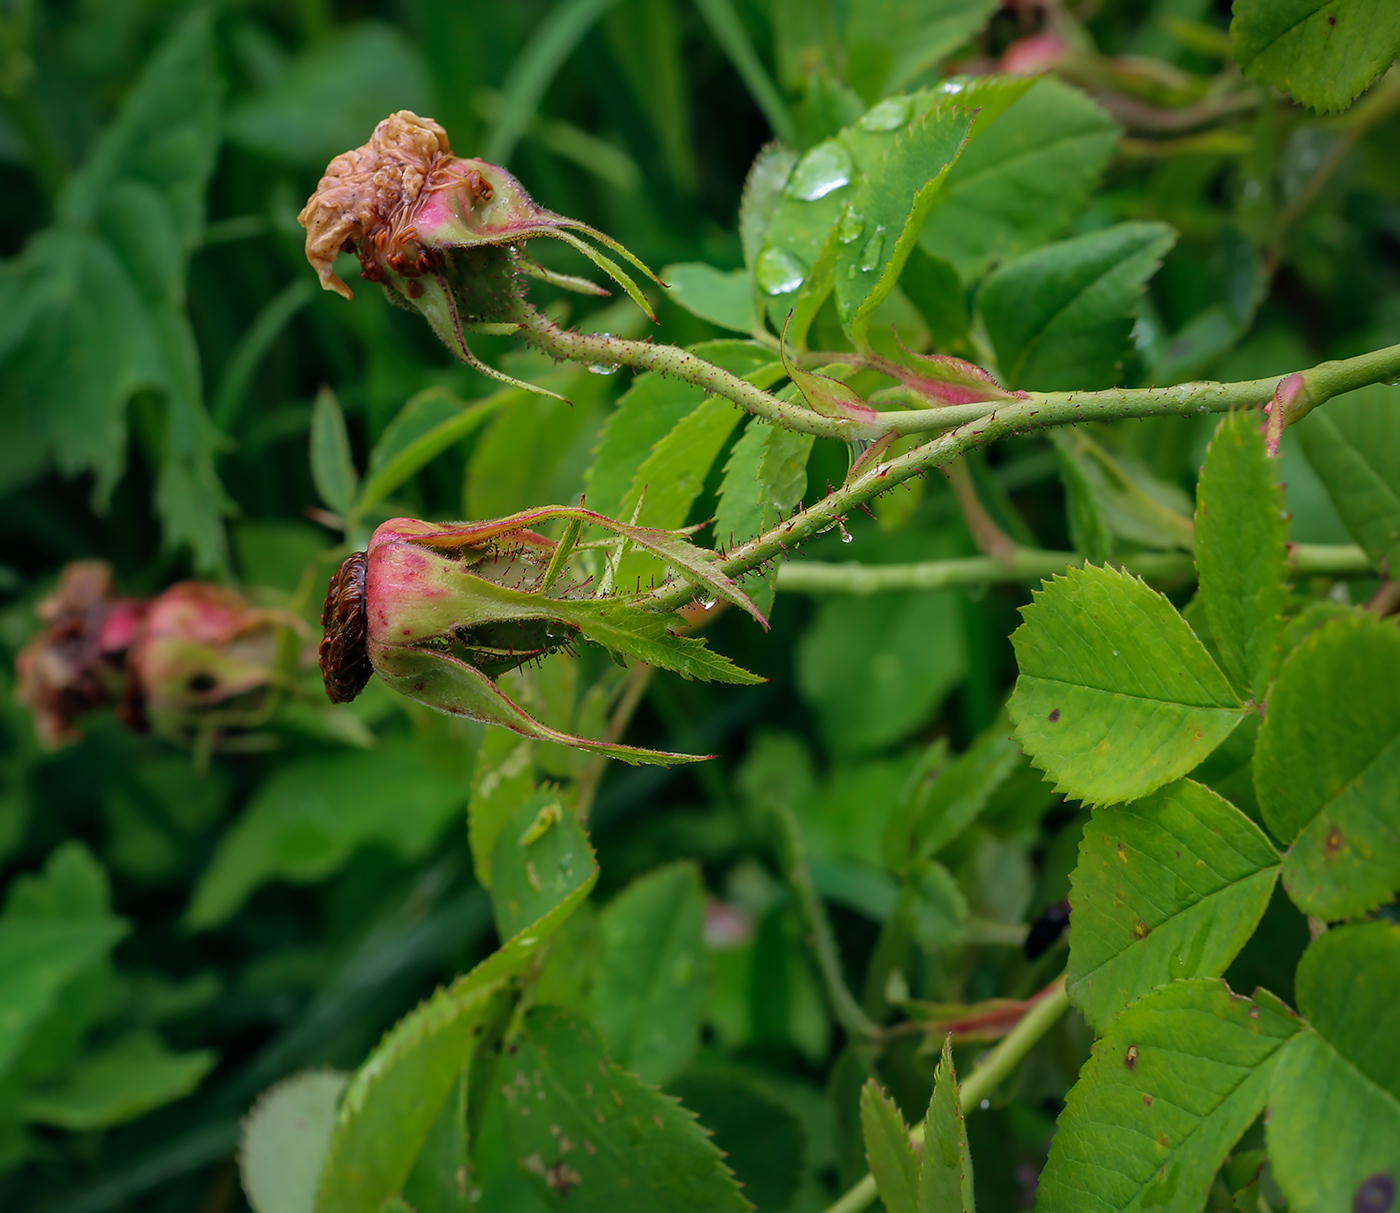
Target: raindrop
<point>845,534</point>
<point>1115,652</point>
<point>825,168</point>
<point>707,604</point>
<point>778,271</point>
<point>952,87</point>
<point>870,257</point>
<point>986,1103</point>
<point>851,226</point>
<point>602,368</point>
<point>887,115</point>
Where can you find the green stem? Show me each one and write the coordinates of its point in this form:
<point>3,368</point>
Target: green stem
<point>1036,410</point>
<point>1022,417</point>
<point>994,1069</point>
<point>1029,564</point>
<point>844,1007</point>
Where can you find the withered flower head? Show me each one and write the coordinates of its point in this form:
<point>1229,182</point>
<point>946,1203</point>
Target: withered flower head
<point>204,658</point>
<point>438,611</point>
<point>442,233</point>
<point>76,663</point>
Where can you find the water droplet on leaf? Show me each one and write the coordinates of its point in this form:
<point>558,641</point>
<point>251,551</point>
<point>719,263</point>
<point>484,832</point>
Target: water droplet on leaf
<point>870,256</point>
<point>851,226</point>
<point>778,271</point>
<point>888,114</point>
<point>825,168</point>
<point>602,368</point>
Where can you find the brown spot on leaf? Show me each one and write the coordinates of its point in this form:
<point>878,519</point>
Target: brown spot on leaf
<point>1130,1057</point>
<point>1054,715</point>
<point>1122,853</point>
<point>533,1163</point>
<point>1142,930</point>
<point>1335,841</point>
<point>1147,1101</point>
<point>1376,1194</point>
<point>561,1177</point>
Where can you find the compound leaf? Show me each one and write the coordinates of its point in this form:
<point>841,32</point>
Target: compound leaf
<point>888,1150</point>
<point>1060,318</point>
<point>1242,551</point>
<point>1169,886</point>
<point>592,1137</point>
<point>1023,181</point>
<point>945,1173</point>
<point>651,984</point>
<point>1327,767</point>
<point>1178,1076</point>
<point>1324,52</point>
<point>1354,446</point>
<point>878,230</point>
<point>1116,696</point>
<point>1334,1124</point>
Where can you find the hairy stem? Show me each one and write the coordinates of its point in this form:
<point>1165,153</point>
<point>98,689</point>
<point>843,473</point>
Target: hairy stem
<point>993,1070</point>
<point>1036,410</point>
<point>1031,564</point>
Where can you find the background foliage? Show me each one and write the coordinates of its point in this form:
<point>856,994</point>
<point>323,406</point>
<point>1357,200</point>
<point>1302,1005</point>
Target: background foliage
<point>182,931</point>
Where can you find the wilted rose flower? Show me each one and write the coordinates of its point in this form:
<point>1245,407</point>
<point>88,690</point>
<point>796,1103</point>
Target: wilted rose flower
<point>441,233</point>
<point>77,661</point>
<point>439,610</point>
<point>194,658</point>
<point>205,658</point>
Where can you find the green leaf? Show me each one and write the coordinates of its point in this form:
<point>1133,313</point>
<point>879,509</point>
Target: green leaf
<point>429,424</point>
<point>931,285</point>
<point>1133,503</point>
<point>38,957</point>
<point>1060,318</point>
<point>649,410</point>
<point>392,1101</point>
<point>1334,1120</point>
<point>503,779</point>
<point>1353,445</point>
<point>888,1150</point>
<point>651,983</point>
<point>722,297</point>
<point>761,1139</point>
<point>122,1082</point>
<point>1327,767</point>
<point>1168,1090</point>
<point>1022,182</point>
<point>765,478</point>
<point>647,636</point>
<point>1116,695</point>
<point>763,192</point>
<point>438,1182</point>
<point>92,312</point>
<point>284,1141</point>
<point>1325,53</point>
<point>1242,551</point>
<point>878,230</point>
<point>1169,886</point>
<point>945,1173</point>
<point>882,61</point>
<point>542,860</point>
<point>942,807</point>
<point>875,668</point>
<point>330,96</point>
<point>332,466</point>
<point>591,1137</point>
<point>311,815</point>
<point>1089,529</point>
